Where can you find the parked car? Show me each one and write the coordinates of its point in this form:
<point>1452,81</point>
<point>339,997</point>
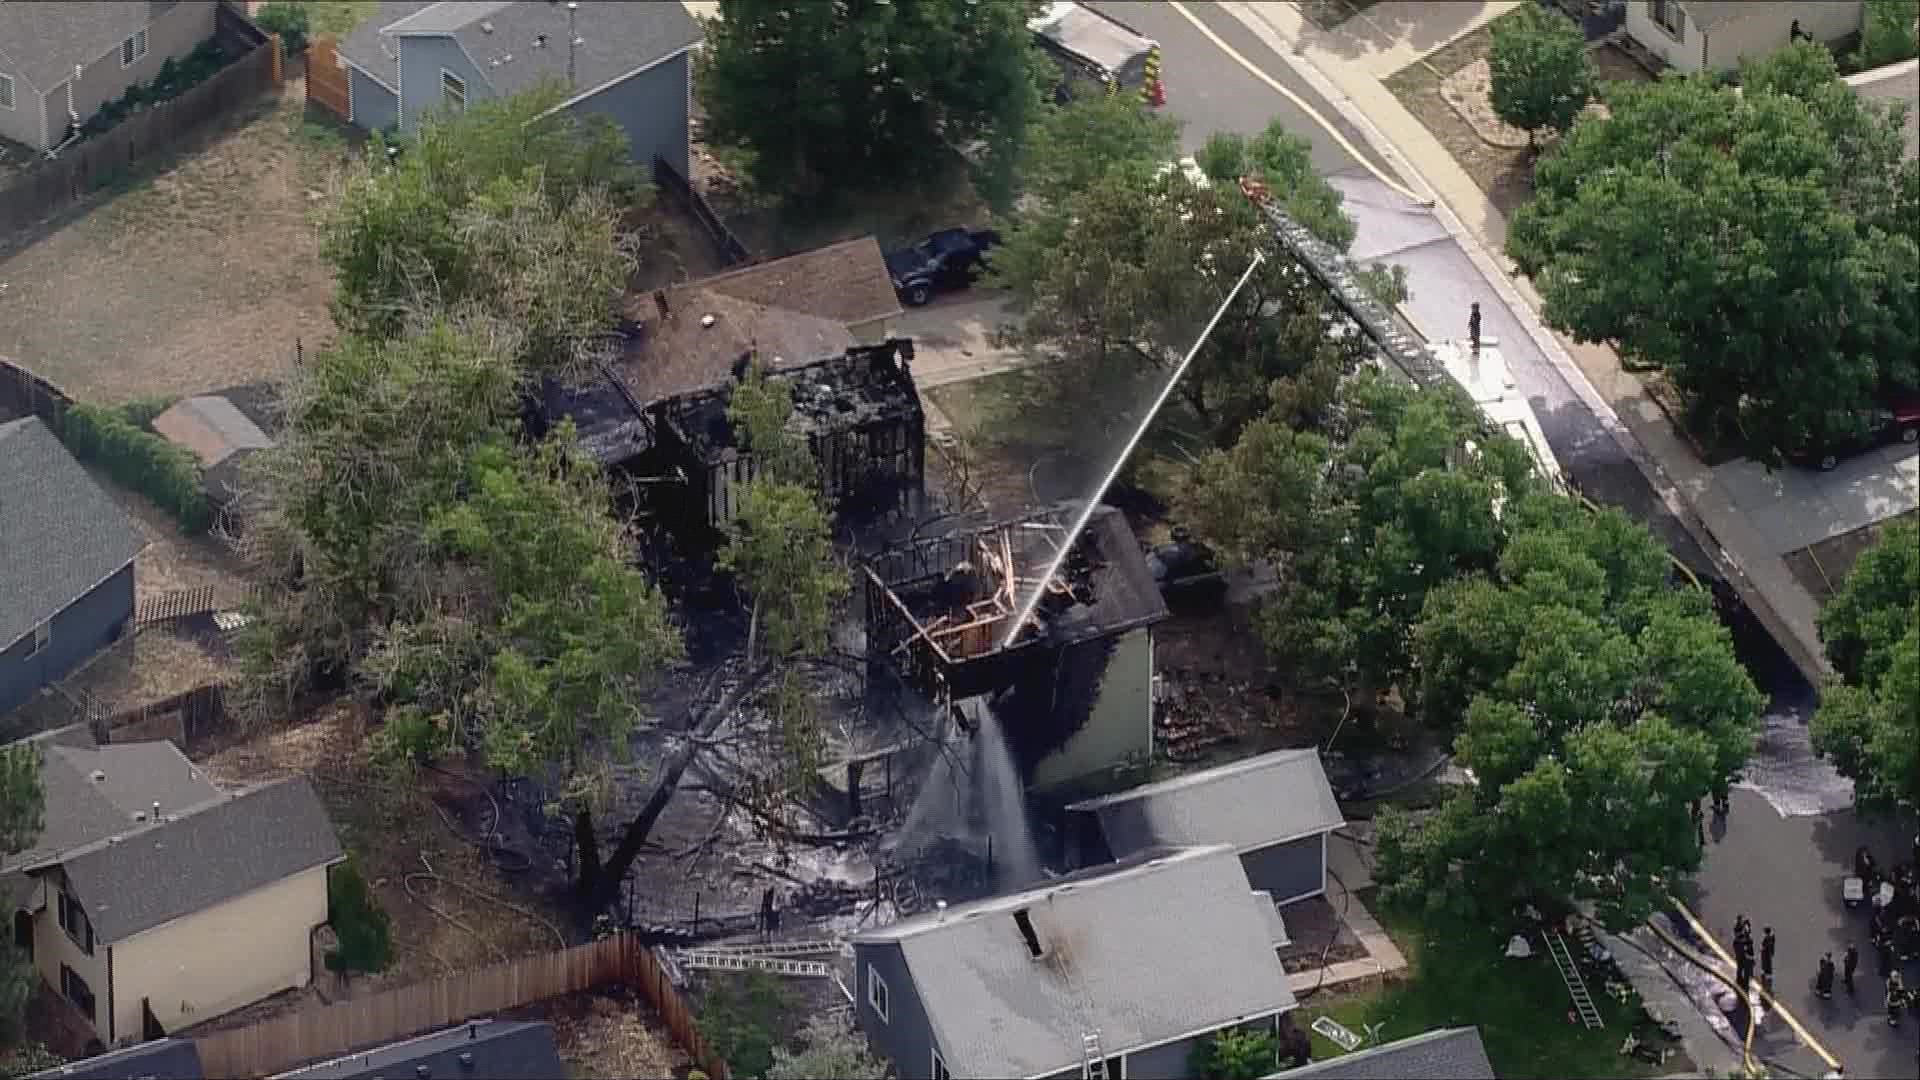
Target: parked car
<point>1896,421</point>
<point>947,260</point>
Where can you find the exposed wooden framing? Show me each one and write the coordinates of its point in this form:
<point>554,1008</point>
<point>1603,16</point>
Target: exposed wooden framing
<point>919,631</point>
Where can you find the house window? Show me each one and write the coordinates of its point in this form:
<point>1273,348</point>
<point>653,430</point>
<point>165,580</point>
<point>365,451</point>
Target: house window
<point>42,636</point>
<point>77,991</point>
<point>73,919</point>
<point>132,49</point>
<point>453,91</point>
<point>940,1066</point>
<point>6,91</point>
<point>877,994</point>
<point>1668,16</point>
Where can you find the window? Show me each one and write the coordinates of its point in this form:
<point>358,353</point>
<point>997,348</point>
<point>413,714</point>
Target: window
<point>1669,17</point>
<point>453,91</point>
<point>132,49</point>
<point>940,1067</point>
<point>42,636</point>
<point>73,919</point>
<point>6,91</point>
<point>877,993</point>
<point>77,991</point>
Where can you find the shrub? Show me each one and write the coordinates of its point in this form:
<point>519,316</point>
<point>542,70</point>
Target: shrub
<point>140,412</point>
<point>1235,1055</point>
<point>366,940</point>
<point>740,1019</point>
<point>290,21</point>
<point>140,460</point>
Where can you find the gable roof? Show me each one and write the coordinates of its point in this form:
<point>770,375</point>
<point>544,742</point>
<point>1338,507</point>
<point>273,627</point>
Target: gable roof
<point>501,1050</point>
<point>680,355</point>
<point>1250,803</point>
<point>152,874</point>
<point>504,40</point>
<point>210,426</point>
<point>1710,15</point>
<point>1445,1054</point>
<point>1113,960</point>
<point>60,534</point>
<point>174,1059</point>
<point>93,793</point>
<point>45,41</point>
<point>846,282</point>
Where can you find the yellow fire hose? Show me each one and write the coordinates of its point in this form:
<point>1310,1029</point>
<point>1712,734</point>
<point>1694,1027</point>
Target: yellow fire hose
<point>1751,1066</point>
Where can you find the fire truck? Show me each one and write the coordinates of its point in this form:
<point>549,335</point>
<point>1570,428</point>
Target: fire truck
<point>1097,53</point>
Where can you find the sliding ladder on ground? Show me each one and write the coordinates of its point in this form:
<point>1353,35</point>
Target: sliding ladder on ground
<point>704,960</point>
<point>1570,974</point>
<point>820,947</point>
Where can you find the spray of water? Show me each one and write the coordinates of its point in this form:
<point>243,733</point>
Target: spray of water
<point>1015,861</point>
<point>1093,502</point>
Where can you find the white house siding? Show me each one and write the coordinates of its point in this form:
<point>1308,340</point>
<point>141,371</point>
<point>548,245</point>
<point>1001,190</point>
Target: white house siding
<point>1895,82</point>
<point>1768,26</point>
<point>220,959</point>
<point>175,33</point>
<point>22,122</point>
<point>1680,50</point>
<point>52,948</point>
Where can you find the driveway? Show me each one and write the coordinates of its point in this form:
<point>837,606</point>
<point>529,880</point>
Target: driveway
<point>1794,508</point>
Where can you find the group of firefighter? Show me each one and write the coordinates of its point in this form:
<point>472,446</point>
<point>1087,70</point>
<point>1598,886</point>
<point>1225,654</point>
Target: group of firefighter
<point>1893,934</point>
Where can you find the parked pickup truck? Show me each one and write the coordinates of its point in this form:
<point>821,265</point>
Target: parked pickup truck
<point>949,259</point>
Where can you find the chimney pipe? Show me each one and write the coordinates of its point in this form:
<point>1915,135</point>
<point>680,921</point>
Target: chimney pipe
<point>156,810</point>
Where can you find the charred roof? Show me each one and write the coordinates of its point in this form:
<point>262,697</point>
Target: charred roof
<point>864,385</point>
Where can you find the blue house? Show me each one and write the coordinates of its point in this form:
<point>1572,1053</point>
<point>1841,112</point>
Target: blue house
<point>1443,1054</point>
<point>1122,971</point>
<point>630,62</point>
<point>66,562</point>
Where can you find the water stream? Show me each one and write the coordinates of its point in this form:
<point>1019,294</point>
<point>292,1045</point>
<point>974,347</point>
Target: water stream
<point>1003,798</point>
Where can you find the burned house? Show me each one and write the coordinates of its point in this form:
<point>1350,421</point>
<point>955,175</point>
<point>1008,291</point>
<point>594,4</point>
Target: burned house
<point>1072,691</point>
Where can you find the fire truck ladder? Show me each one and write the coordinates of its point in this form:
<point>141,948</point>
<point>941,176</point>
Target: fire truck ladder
<point>1570,974</point>
<point>703,960</point>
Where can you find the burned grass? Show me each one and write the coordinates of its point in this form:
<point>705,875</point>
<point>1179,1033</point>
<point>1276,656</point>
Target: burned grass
<point>610,1035</point>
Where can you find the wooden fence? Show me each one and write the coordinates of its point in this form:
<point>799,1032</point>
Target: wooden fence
<point>186,603</point>
<point>327,79</point>
<point>22,393</point>
<point>98,160</point>
<point>188,720</point>
<point>669,181</point>
<point>331,1031</point>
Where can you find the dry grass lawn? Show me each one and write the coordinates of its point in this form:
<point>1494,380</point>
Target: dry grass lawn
<point>612,1036</point>
<point>196,278</point>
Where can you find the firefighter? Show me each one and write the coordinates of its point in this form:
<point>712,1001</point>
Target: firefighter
<point>1896,998</point>
<point>1848,963</point>
<point>1823,981</point>
<point>1766,956</point>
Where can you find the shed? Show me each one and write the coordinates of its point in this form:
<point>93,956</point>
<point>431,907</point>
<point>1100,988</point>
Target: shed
<point>66,562</point>
<point>1443,1054</point>
<point>1275,809</point>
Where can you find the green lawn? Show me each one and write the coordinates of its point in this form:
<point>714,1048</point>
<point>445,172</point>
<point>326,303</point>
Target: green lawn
<point>1459,977</point>
<point>337,17</point>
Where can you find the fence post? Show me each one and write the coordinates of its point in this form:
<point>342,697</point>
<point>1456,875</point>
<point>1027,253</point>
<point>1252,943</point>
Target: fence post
<point>273,42</point>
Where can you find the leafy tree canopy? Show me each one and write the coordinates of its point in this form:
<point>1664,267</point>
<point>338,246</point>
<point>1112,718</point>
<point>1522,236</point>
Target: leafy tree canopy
<point>1869,721</point>
<point>856,96</point>
<point>500,209</point>
<point>1864,622</point>
<point>22,814</point>
<point>1889,33</point>
<point>830,1050</point>
<point>1761,246</point>
<point>1540,74</point>
<point>1075,144</point>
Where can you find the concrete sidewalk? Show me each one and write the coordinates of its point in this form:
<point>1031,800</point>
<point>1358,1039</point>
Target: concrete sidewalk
<point>1347,65</point>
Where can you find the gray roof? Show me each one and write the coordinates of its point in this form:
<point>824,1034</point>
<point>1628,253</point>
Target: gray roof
<point>615,39</point>
<point>1710,15</point>
<point>1445,1054</point>
<point>371,47</point>
<point>60,534</point>
<point>42,42</point>
<point>1085,32</point>
<point>1113,959</point>
<point>210,426</point>
<point>154,874</point>
<point>94,793</point>
<point>174,1059</point>
<point>500,1049</point>
<point>1251,803</point>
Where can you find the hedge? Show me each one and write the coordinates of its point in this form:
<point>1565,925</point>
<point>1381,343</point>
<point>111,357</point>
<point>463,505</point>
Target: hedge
<point>140,460</point>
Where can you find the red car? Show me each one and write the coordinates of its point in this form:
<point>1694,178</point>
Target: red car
<point>1896,421</point>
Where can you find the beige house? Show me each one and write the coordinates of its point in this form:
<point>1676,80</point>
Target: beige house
<point>1714,35</point>
<point>153,900</point>
<point>1894,84</point>
<point>59,62</point>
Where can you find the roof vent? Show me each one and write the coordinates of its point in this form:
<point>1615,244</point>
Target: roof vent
<point>539,41</point>
<point>1021,919</point>
<point>486,26</point>
<point>473,1032</point>
<point>139,815</point>
<point>466,1060</point>
<point>99,777</point>
<point>422,1072</point>
<point>156,811</point>
<point>707,321</point>
<point>940,910</point>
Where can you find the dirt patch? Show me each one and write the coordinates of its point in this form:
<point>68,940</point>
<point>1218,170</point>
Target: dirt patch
<point>1823,567</point>
<point>1469,91</point>
<point>1318,936</point>
<point>453,907</point>
<point>199,277</point>
<point>172,560</point>
<point>675,247</point>
<point>611,1035</point>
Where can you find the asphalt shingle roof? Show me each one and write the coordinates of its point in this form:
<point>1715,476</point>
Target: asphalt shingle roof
<point>153,874</point>
<point>501,1050</point>
<point>60,535</point>
<point>212,427</point>
<point>44,41</point>
<point>1147,949</point>
<point>1446,1054</point>
<point>1261,800</point>
<point>170,1059</point>
<point>371,47</point>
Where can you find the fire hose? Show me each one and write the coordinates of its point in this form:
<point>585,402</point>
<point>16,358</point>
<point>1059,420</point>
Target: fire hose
<point>1748,1062</point>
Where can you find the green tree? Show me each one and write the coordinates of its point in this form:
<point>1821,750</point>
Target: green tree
<point>1889,33</point>
<point>830,1050</point>
<point>1869,720</point>
<point>22,814</point>
<point>500,209</point>
<point>1284,162</point>
<point>859,96</point>
<point>1360,524</point>
<point>1075,144</point>
<point>1599,707</point>
<point>1235,1055</point>
<point>1541,78</point>
<point>1864,622</point>
<point>1760,246</point>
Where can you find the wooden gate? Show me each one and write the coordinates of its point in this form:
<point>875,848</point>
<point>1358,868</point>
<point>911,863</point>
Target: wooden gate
<point>327,79</point>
